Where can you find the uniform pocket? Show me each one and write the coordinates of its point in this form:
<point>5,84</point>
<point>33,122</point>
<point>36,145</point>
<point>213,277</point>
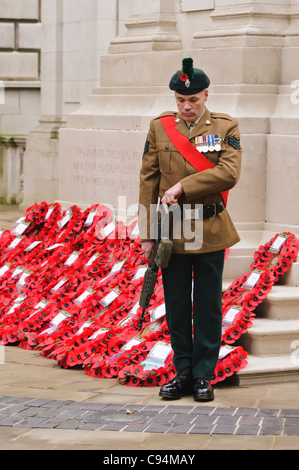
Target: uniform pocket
<point>169,162</point>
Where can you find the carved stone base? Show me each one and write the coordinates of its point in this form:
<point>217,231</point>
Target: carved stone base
<point>41,162</point>
<point>148,33</point>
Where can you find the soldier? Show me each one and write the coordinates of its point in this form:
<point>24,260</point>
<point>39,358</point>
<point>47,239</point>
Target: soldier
<point>192,158</point>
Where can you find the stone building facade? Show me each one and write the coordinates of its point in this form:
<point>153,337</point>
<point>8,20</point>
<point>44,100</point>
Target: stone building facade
<point>49,62</point>
<point>20,51</point>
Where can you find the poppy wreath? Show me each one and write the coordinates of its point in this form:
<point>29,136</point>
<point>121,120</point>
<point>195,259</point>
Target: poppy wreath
<point>95,343</point>
<point>73,226</point>
<point>114,347</point>
<point>13,327</point>
<point>42,221</point>
<point>35,218</point>
<point>82,347</point>
<point>68,338</point>
<point>117,337</point>
<point>51,230</point>
<point>94,219</point>
<point>246,300</point>
<point>10,285</point>
<point>280,262</point>
<point>84,313</point>
<point>125,327</point>
<point>42,224</point>
<point>27,324</point>
<point>132,373</point>
<point>5,239</point>
<point>36,214</point>
<point>67,354</point>
<point>113,356</point>
<point>92,334</point>
<point>11,253</point>
<point>234,360</point>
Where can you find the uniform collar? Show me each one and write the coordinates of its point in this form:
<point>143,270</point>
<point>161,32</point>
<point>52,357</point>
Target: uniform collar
<point>196,121</point>
<point>202,126</point>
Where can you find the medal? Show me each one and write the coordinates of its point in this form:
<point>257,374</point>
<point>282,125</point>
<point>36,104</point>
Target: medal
<point>205,147</point>
<point>199,143</point>
<point>218,143</point>
<point>211,143</point>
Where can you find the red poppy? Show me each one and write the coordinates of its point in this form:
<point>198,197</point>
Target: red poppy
<point>220,372</point>
<point>184,77</point>
<point>228,367</point>
<point>133,381</point>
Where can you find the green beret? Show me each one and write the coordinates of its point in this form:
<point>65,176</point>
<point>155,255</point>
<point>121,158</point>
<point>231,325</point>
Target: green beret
<point>189,80</point>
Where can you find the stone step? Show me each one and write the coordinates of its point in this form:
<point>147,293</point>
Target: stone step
<point>236,265</point>
<point>282,303</point>
<point>241,256</point>
<point>268,369</point>
<point>291,277</point>
<point>273,340</point>
<point>268,337</point>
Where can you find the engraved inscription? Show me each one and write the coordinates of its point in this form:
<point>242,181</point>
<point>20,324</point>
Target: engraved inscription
<point>103,168</point>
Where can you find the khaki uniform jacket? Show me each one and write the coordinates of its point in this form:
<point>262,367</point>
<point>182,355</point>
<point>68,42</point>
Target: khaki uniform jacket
<point>163,166</point>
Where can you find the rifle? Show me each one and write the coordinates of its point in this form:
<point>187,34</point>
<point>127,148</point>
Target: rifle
<point>160,257</point>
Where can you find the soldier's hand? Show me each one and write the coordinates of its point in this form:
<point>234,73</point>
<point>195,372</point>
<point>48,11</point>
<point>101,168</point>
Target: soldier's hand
<point>148,248</point>
<point>172,195</point>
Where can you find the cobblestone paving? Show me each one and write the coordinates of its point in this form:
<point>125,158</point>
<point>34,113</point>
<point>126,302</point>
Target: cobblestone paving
<point>50,414</point>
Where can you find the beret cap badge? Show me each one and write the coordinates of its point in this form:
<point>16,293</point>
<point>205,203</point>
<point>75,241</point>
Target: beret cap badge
<point>187,72</point>
<point>189,80</point>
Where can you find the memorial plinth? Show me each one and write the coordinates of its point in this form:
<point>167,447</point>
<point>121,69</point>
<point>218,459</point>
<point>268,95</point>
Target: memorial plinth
<point>102,145</point>
<point>99,166</point>
<point>251,65</point>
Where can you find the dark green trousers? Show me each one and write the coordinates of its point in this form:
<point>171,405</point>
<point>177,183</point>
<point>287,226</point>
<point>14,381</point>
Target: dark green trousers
<point>202,352</point>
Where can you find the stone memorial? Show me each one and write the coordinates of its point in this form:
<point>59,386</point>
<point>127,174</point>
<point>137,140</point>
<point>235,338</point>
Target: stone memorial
<point>105,69</point>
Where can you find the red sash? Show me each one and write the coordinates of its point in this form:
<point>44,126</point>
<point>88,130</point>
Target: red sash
<point>187,150</point>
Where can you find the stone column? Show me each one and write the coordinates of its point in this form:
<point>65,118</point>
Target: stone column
<point>239,23</point>
<point>151,27</point>
<point>283,140</point>
<point>256,44</point>
<point>11,175</point>
<point>243,53</point>
<point>42,152</point>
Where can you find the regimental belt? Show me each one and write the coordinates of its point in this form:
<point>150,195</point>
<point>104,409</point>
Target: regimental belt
<point>203,213</point>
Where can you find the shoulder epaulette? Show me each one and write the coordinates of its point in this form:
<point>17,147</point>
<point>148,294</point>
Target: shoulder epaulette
<point>221,116</point>
<point>167,113</point>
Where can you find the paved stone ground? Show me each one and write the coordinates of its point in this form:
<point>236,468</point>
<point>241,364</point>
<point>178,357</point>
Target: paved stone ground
<point>45,407</point>
<point>8,216</point>
<point>26,413</point>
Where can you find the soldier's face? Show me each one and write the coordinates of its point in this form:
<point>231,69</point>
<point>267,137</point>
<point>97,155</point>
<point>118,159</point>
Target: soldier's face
<point>191,107</point>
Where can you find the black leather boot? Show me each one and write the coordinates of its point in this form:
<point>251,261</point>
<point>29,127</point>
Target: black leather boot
<point>203,390</point>
<point>180,386</point>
